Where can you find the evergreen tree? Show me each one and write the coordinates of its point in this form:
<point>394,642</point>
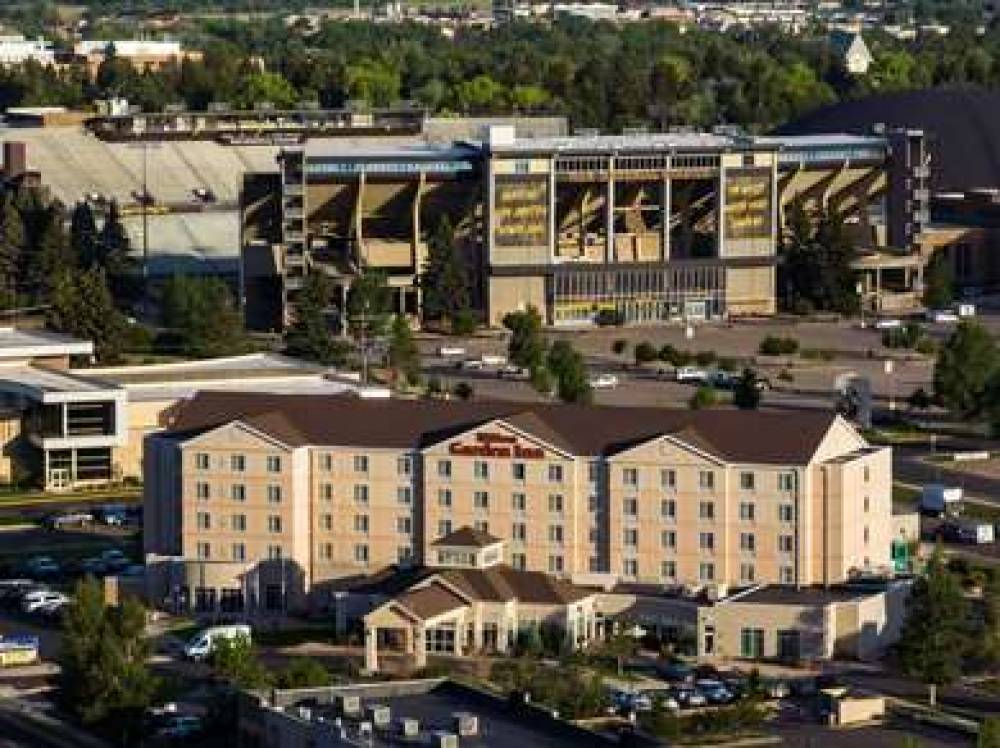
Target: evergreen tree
<point>935,632</point>
<point>83,235</point>
<point>103,674</point>
<point>204,315</point>
<point>966,365</point>
<point>81,305</point>
<point>746,395</point>
<point>114,255</point>
<point>443,282</point>
<point>369,303</point>
<point>49,253</point>
<point>570,372</point>
<point>939,290</point>
<point>404,358</point>
<point>816,272</point>
<point>526,347</point>
<point>309,335</point>
<point>11,249</point>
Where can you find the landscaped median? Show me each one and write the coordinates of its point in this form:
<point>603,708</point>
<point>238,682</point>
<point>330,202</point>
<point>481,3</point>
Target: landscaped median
<point>21,498</point>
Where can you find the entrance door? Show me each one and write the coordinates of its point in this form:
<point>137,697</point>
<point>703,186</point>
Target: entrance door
<point>58,479</point>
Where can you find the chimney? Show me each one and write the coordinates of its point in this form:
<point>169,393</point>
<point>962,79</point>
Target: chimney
<point>15,159</point>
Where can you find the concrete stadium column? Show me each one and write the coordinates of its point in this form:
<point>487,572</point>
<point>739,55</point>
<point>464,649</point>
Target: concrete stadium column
<point>665,210</point>
<point>720,211</point>
<point>358,220</point>
<point>416,249</point>
<point>553,239</point>
<point>371,649</point>
<point>609,252</point>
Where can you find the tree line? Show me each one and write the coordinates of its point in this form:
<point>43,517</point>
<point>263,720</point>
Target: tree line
<point>598,74</point>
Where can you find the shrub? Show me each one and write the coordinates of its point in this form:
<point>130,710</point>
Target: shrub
<point>704,397</point>
<point>619,347</point>
<point>463,323</point>
<point>463,391</point>
<point>674,357</point>
<point>705,358</point>
<point>773,345</point>
<point>644,352</point>
<point>816,354</point>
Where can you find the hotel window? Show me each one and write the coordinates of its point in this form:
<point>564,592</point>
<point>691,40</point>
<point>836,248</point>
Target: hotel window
<point>866,536</point>
<point>237,463</point>
<point>668,570</point>
<point>786,575</point>
<point>630,507</point>
<point>204,550</point>
<point>481,500</point>
<point>326,491</point>
<point>518,471</point>
<point>706,480</point>
<point>593,503</point>
<point>326,522</point>
<point>593,471</point>
<point>404,465</point>
<point>481,469</point>
<point>273,464</point>
<point>404,525</point>
<point>555,534</point>
<point>668,509</point>
<point>747,573</point>
<point>631,536</point>
<point>481,525</point>
<point>519,501</point>
<point>668,479</point>
<point>361,523</point>
<point>444,468</point>
<point>326,551</point>
<point>867,473</point>
<point>786,481</point>
<point>706,572</point>
<point>746,481</point>
<point>630,567</point>
<point>594,564</point>
<point>519,532</point>
<point>555,473</point>
<point>201,461</point>
<point>326,462</point>
<point>274,523</point>
<point>867,503</point>
<point>404,554</point>
<point>360,493</point>
<point>786,513</point>
<point>361,554</point>
<point>555,503</point>
<point>273,494</point>
<point>238,522</point>
<point>444,497</point>
<point>404,495</point>
<point>239,552</point>
<point>518,561</point>
<point>706,510</point>
<point>786,543</point>
<point>595,534</point>
<point>630,477</point>
<point>238,492</point>
<point>706,541</point>
<point>555,564</point>
<point>274,552</point>
<point>204,521</point>
<point>748,542</point>
<point>202,490</point>
<point>360,463</point>
<point>747,511</point>
<point>668,539</point>
<point>444,528</point>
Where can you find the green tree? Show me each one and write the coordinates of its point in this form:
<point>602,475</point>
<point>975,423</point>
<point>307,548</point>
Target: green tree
<point>82,305</point>
<point>83,235</point>
<point>939,290</point>
<point>989,733</point>
<point>302,672</point>
<point>12,241</point>
<point>204,315</point>
<point>644,353</point>
<point>526,347</point>
<point>816,273</point>
<point>49,253</point>
<point>373,82</point>
<point>443,283</point>
<point>103,676</point>
<point>404,358</point>
<point>570,372</point>
<point>746,394</point>
<point>704,397</point>
<point>235,660</point>
<point>309,334</point>
<point>936,629</point>
<point>369,304</point>
<point>268,87</point>
<point>965,366</point>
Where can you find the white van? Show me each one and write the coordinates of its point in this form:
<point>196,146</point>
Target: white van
<point>201,644</point>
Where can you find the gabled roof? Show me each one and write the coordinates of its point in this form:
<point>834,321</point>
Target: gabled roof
<point>430,601</point>
<point>467,537</point>
<point>762,437</point>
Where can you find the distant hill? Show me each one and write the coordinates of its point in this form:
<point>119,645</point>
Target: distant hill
<point>963,125</point>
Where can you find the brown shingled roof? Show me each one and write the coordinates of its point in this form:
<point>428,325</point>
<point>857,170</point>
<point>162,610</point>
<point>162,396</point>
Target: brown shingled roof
<point>766,437</point>
<point>467,537</point>
<point>430,601</point>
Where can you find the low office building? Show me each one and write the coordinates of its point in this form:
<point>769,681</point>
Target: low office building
<point>272,501</point>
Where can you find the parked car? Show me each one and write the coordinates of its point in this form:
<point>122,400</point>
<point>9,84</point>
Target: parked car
<point>470,364</point>
<point>180,726</point>
<point>603,382</point>
<point>664,699</point>
<point>888,323</point>
<point>40,567</point>
<point>942,316</point>
<point>92,566</point>
<point>446,351</point>
<point>39,599</point>
<point>777,689</point>
<point>937,500</point>
<point>510,371</point>
<point>114,559</point>
<point>201,645</point>
<point>675,672</point>
<point>69,519</point>
<point>691,375</point>
<point>689,697</point>
<point>112,516</point>
<point>714,691</point>
<point>723,380</point>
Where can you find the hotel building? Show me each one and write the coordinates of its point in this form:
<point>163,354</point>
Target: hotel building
<point>258,502</point>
